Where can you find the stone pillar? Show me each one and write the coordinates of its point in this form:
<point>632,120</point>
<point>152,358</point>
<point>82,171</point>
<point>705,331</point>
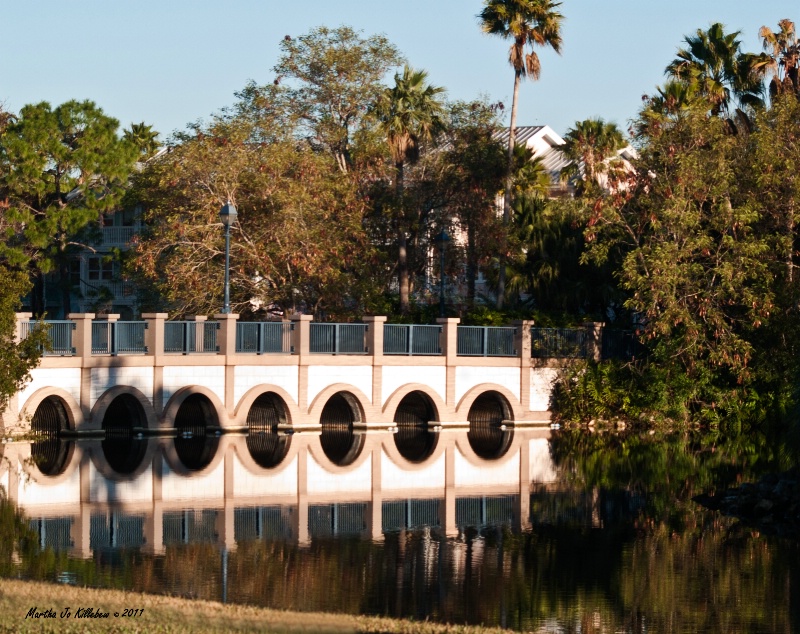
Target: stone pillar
<point>154,334</point>
<point>154,342</point>
<point>82,336</point>
<point>375,348</point>
<point>594,340</point>
<point>22,319</point>
<point>226,340</point>
<point>301,342</point>
<point>522,344</point>
<point>82,342</point>
<point>449,341</point>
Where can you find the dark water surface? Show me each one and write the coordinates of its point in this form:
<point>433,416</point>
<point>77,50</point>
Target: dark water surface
<point>571,533</point>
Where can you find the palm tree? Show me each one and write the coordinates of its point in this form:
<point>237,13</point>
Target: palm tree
<point>784,51</point>
<point>588,144</point>
<point>143,138</point>
<point>527,23</point>
<point>408,114</point>
<point>714,65</point>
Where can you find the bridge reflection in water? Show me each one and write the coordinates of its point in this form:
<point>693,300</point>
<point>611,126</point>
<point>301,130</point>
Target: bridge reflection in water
<point>200,487</point>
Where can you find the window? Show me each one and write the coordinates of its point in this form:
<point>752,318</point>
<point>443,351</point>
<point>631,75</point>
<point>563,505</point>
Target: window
<point>101,269</point>
<point>75,272</point>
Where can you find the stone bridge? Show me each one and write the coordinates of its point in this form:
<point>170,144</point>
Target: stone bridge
<point>155,375</point>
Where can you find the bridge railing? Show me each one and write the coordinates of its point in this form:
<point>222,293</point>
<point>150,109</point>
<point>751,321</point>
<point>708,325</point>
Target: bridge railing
<point>118,337</point>
<point>559,343</point>
<point>338,338</point>
<point>486,341</point>
<point>412,339</point>
<point>188,337</point>
<point>264,337</point>
<point>83,335</point>
<point>59,336</point>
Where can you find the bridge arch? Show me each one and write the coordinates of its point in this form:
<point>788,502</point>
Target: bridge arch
<point>245,404</point>
<point>266,443</point>
<point>338,417</point>
<point>73,409</point>
<point>486,414</point>
<point>414,438</point>
<point>50,452</point>
<point>149,420</point>
<point>195,412</point>
<point>124,412</point>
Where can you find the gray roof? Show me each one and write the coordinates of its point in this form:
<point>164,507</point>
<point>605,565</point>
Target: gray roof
<point>553,160</point>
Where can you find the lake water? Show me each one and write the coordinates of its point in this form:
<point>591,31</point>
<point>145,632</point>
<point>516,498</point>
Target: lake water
<point>527,529</point>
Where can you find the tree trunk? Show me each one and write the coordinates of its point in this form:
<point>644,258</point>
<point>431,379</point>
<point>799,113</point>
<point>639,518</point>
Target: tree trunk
<point>402,243</point>
<point>471,264</point>
<point>512,129</point>
<point>64,287</point>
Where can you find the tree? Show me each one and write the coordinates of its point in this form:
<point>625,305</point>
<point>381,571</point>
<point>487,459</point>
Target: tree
<point>699,272</point>
<point>298,244</point>
<point>587,145</point>
<point>331,76</point>
<point>143,138</point>
<point>60,169</point>
<point>715,66</point>
<point>527,23</point>
<point>784,51</point>
<point>408,114</point>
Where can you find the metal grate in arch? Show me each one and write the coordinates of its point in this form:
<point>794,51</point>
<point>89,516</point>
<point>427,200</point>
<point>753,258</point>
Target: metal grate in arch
<point>486,416</point>
<point>122,450</point>
<point>50,453</point>
<point>339,442</point>
<point>414,440</point>
<point>266,445</point>
<point>194,446</point>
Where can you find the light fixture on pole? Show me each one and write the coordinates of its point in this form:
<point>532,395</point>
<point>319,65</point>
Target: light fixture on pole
<point>442,239</point>
<point>227,216</point>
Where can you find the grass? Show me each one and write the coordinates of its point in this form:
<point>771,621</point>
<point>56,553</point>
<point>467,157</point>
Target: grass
<point>171,615</point>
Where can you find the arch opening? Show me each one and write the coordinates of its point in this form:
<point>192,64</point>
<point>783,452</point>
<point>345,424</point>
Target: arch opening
<point>123,445</point>
<point>267,445</point>
<point>414,438</point>
<point>194,443</point>
<point>50,452</point>
<point>339,441</point>
<point>486,415</point>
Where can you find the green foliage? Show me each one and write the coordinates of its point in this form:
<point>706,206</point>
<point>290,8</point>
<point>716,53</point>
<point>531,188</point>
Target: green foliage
<point>60,170</point>
<point>298,242</point>
<point>331,78</point>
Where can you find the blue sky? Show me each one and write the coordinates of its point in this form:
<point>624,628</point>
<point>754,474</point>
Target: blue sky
<point>170,62</point>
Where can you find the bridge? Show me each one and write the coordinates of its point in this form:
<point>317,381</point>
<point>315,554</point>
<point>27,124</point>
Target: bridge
<point>101,375</point>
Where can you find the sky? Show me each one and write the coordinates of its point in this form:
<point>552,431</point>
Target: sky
<point>172,62</point>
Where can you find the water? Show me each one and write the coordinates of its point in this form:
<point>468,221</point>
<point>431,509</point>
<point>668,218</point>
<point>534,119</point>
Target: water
<point>569,533</point>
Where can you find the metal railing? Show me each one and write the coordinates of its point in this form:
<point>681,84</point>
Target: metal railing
<point>186,337</point>
<point>411,340</point>
<point>620,344</point>
<point>486,341</point>
<point>264,337</point>
<point>338,338</point>
<point>59,336</point>
<point>118,337</point>
<point>559,343</point>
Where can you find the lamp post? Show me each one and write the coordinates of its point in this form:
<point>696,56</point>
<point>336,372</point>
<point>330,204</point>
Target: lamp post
<point>227,216</point>
<point>442,239</point>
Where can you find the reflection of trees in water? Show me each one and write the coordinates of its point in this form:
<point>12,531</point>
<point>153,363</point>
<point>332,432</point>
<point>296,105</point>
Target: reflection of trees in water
<point>706,578</point>
<point>616,546</point>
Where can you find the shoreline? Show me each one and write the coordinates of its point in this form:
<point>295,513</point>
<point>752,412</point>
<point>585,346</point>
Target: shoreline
<point>175,615</point>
